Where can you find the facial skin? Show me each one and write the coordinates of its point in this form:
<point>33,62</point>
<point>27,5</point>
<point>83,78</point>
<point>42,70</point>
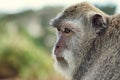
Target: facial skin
<point>63,51</point>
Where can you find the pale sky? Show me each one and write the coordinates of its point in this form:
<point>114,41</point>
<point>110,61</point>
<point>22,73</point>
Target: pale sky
<point>12,6</point>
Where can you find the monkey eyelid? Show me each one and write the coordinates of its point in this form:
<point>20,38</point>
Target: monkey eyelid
<point>58,29</point>
<point>67,30</point>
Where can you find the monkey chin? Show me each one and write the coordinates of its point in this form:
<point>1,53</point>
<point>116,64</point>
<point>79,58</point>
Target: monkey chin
<point>65,64</point>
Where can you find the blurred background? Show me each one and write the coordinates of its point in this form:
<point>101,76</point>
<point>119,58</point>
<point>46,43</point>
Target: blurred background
<point>26,38</point>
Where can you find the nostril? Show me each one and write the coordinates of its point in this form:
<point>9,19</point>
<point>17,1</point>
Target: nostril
<point>57,46</point>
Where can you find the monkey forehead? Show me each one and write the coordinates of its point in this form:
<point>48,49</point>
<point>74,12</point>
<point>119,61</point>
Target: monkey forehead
<point>75,12</point>
<point>79,9</point>
<point>63,23</point>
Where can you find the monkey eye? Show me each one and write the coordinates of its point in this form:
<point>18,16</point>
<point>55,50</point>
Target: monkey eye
<point>58,29</point>
<point>67,30</point>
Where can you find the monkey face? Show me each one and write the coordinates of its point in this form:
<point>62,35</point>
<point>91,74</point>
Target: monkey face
<point>69,38</point>
<point>62,51</point>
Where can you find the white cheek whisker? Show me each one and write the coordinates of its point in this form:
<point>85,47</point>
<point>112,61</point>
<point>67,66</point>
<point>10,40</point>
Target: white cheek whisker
<point>53,56</point>
<point>68,56</point>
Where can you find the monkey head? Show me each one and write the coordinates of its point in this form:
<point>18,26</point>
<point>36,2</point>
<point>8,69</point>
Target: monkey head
<point>77,27</point>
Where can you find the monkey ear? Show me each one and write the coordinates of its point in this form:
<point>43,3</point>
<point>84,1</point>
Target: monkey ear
<point>99,23</point>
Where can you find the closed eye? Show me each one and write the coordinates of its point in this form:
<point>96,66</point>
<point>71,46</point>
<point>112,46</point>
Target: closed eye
<point>58,29</point>
<point>66,30</point>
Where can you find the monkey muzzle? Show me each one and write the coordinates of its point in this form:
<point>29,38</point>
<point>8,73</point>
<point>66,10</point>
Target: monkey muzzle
<point>61,61</point>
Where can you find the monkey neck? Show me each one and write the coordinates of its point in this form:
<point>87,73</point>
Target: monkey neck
<point>98,47</point>
<point>89,56</point>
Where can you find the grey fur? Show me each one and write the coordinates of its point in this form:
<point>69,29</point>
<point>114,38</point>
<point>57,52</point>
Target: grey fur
<point>97,57</point>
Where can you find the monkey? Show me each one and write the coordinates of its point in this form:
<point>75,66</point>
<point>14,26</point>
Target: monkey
<point>88,43</point>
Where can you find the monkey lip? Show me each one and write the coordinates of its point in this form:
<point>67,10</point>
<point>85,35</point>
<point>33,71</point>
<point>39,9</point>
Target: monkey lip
<point>60,59</point>
<point>62,62</point>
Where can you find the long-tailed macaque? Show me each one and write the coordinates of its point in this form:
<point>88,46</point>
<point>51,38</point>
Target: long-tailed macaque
<point>88,43</point>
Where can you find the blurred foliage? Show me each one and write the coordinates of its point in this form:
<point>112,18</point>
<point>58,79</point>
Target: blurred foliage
<point>108,8</point>
<point>19,56</point>
<point>47,13</point>
<point>25,43</point>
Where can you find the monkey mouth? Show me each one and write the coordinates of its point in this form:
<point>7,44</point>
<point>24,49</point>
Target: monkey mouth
<point>61,60</point>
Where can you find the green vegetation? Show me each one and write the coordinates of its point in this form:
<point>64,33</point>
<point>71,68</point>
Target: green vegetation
<point>21,54</point>
<point>23,57</point>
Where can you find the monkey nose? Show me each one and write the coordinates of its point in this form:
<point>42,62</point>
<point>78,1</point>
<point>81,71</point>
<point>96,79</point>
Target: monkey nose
<point>58,50</point>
